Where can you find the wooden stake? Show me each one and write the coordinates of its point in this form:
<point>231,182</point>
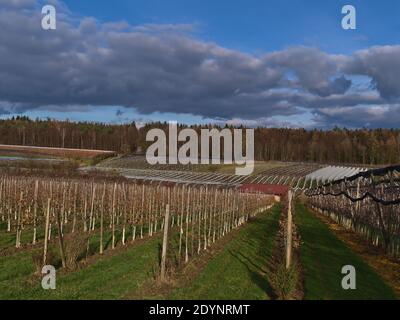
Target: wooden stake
<point>35,211</point>
<point>102,218</point>
<point>60,238</point>
<point>113,217</point>
<point>46,231</point>
<point>289,232</point>
<point>165,243</point>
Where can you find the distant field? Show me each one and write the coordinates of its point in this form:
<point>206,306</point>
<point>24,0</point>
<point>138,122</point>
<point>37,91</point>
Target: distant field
<point>52,152</point>
<point>140,162</point>
<point>299,175</point>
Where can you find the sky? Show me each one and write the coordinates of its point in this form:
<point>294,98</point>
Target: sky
<point>286,63</point>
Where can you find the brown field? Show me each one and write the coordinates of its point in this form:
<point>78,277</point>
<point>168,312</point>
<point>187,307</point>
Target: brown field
<point>140,162</point>
<point>54,152</point>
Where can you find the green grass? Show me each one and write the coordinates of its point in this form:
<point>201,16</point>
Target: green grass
<point>323,255</point>
<point>14,271</point>
<point>3,225</point>
<point>238,269</point>
<point>111,277</point>
<point>238,272</point>
<point>7,239</point>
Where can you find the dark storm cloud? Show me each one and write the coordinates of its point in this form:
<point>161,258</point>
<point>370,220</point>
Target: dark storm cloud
<point>382,65</point>
<point>336,86</point>
<point>382,116</point>
<point>313,69</point>
<point>164,68</point>
<point>103,65</point>
<point>337,100</point>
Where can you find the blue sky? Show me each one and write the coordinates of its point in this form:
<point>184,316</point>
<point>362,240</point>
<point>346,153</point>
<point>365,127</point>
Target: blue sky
<point>272,63</point>
<point>261,25</point>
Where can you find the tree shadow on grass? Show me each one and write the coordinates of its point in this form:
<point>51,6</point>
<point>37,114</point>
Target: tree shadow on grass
<point>255,272</point>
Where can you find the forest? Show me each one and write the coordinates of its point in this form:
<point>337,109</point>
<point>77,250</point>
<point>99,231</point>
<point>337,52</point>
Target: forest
<point>339,145</point>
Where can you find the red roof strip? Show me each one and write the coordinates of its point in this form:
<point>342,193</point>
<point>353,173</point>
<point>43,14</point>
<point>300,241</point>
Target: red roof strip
<point>265,188</point>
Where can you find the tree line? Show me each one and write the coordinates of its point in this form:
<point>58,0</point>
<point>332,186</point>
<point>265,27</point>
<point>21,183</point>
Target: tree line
<point>339,145</point>
<point>22,130</point>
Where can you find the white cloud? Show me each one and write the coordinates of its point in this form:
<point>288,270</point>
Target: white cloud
<point>164,68</point>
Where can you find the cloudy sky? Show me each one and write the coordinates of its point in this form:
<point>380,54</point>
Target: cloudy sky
<point>273,63</point>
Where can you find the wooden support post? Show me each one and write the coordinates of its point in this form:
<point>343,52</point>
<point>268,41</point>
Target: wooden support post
<point>46,232</point>
<point>102,218</point>
<point>289,231</point>
<point>35,211</point>
<point>165,242</point>
<point>61,238</point>
<point>19,222</point>
<point>113,217</point>
<point>187,227</point>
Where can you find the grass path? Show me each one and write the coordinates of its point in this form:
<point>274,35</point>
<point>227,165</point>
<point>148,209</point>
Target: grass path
<point>111,277</point>
<point>323,255</point>
<point>238,272</point>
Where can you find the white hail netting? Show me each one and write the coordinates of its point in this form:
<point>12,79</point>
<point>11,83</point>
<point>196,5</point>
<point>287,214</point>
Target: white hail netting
<point>332,173</point>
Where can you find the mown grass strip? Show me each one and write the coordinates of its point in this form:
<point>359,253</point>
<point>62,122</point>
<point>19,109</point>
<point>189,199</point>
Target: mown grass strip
<point>110,277</point>
<point>239,271</point>
<point>323,255</point>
